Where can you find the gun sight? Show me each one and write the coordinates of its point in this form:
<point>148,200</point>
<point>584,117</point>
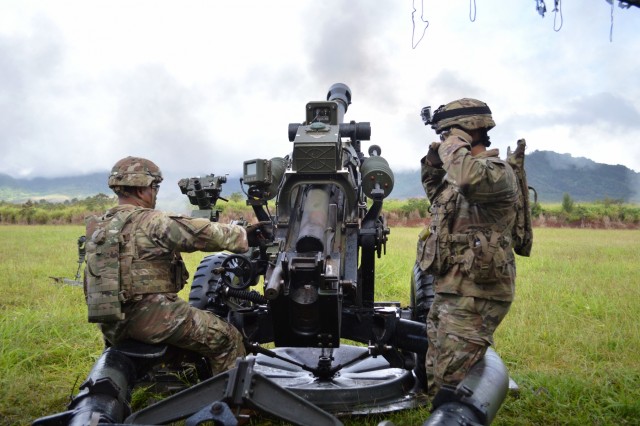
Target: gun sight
<point>204,191</point>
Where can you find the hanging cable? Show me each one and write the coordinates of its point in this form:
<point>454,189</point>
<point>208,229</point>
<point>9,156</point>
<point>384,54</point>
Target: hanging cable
<point>611,29</point>
<point>413,21</point>
<point>472,2</point>
<point>557,9</point>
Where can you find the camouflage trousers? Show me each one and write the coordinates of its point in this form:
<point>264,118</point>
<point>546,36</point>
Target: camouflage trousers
<point>459,329</point>
<point>166,318</point>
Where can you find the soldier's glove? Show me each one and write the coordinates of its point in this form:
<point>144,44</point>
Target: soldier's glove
<point>433,158</point>
<point>259,233</point>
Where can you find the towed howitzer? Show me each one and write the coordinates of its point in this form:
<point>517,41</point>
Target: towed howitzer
<point>318,269</point>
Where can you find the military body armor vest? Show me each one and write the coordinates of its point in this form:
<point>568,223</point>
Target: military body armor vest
<point>481,249</point>
<point>114,274</point>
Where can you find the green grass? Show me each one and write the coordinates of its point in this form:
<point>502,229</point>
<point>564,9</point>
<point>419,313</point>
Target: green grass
<point>571,340</point>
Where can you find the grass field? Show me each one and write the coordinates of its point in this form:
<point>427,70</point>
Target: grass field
<point>571,340</point>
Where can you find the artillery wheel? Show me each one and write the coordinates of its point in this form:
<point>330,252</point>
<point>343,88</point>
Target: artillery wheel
<point>203,295</point>
<point>364,387</point>
<point>206,286</point>
<point>422,295</point>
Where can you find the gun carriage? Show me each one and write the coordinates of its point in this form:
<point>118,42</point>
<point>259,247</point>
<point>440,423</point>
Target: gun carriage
<point>336,350</point>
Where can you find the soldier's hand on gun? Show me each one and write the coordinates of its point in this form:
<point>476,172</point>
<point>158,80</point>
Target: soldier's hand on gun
<point>433,158</point>
<point>259,233</point>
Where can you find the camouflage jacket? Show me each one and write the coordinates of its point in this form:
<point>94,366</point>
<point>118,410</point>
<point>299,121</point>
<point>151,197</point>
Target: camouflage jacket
<point>467,245</point>
<point>159,238</point>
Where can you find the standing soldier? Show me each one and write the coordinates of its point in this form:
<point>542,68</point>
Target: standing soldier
<point>134,269</point>
<point>468,246</point>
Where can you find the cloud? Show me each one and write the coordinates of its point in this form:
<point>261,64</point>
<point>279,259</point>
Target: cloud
<point>201,86</point>
<point>605,109</point>
<point>29,69</point>
<point>449,85</point>
<point>156,114</point>
<point>352,45</point>
<point>608,110</point>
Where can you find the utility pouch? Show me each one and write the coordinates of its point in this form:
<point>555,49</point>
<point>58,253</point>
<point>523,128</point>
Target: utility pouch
<point>485,260</point>
<point>179,272</point>
<point>105,291</point>
<point>427,250</point>
<point>434,245</point>
<point>102,274</point>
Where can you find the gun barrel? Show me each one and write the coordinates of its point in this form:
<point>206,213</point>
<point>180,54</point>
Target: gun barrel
<point>315,216</point>
<point>341,94</point>
<point>201,196</point>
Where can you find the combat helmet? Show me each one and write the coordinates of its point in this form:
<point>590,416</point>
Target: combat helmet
<point>134,171</point>
<point>467,113</point>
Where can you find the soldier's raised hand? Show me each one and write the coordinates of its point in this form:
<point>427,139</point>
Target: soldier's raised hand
<point>433,158</point>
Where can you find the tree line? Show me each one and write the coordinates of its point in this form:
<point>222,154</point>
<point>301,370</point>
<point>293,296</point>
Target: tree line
<point>606,213</point>
<point>43,212</point>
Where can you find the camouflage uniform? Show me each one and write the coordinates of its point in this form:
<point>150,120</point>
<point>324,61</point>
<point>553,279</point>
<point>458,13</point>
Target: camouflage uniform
<point>467,247</point>
<point>165,317</point>
<point>138,274</point>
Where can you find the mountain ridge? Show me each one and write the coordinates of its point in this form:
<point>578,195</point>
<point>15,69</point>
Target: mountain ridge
<point>550,173</point>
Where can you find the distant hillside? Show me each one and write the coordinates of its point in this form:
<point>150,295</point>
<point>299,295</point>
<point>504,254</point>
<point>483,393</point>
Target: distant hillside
<point>550,173</point>
<point>54,189</point>
<point>553,175</point>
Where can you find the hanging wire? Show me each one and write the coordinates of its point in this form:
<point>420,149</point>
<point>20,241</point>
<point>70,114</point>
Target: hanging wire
<point>474,9</point>
<point>557,9</point>
<point>611,29</point>
<point>413,21</point>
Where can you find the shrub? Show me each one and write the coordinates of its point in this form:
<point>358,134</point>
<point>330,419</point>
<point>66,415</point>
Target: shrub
<point>567,203</point>
<point>421,205</point>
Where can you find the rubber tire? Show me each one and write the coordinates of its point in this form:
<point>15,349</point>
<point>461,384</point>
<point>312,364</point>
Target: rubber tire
<point>422,295</point>
<point>201,296</point>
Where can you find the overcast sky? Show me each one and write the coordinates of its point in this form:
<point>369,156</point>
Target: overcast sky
<point>201,86</point>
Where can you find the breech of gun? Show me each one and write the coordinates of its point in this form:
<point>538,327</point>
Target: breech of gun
<point>313,223</point>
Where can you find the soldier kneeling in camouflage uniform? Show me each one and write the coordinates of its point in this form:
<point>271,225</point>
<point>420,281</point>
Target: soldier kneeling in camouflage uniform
<point>467,246</point>
<point>134,269</point>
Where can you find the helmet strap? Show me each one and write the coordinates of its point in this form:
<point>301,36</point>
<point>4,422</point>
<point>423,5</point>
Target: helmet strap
<point>441,114</point>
